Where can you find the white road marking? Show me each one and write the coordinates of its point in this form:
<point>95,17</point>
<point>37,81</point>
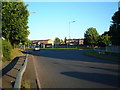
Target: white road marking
<point>39,85</point>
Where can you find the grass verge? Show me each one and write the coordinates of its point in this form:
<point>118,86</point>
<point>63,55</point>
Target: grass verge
<point>16,53</point>
<point>102,55</point>
<point>25,84</point>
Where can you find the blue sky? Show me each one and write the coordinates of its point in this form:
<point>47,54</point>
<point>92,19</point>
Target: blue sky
<point>52,18</point>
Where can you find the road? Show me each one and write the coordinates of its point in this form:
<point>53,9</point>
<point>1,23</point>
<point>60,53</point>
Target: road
<point>72,69</point>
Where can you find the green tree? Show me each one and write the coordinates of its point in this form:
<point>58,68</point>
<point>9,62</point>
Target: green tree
<point>61,41</point>
<point>65,40</point>
<point>27,43</point>
<point>14,22</point>
<point>57,40</point>
<point>0,19</point>
<point>114,30</point>
<point>91,36</point>
<point>6,50</point>
<point>104,39</point>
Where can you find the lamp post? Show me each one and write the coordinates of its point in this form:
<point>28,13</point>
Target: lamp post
<point>69,27</point>
<point>29,13</point>
<point>32,12</point>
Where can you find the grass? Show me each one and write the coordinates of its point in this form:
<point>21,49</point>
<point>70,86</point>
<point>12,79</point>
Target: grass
<point>102,55</point>
<point>16,53</point>
<point>25,84</point>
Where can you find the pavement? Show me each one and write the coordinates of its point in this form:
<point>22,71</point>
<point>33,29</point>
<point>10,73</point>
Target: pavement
<point>10,70</point>
<point>29,75</point>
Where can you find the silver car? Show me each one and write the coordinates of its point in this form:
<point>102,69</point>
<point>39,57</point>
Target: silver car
<point>36,48</point>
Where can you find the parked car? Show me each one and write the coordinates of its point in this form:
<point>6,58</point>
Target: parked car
<point>36,48</point>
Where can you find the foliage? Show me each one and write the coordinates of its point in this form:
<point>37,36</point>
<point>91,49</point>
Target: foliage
<point>57,40</point>
<point>14,22</point>
<point>0,48</point>
<point>0,20</point>
<point>116,18</point>
<point>6,50</point>
<point>104,40</point>
<point>61,41</point>
<point>114,30</point>
<point>91,36</point>
<point>65,40</point>
<point>28,42</point>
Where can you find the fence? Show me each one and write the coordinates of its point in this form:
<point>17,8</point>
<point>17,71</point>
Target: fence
<point>113,49</point>
<point>109,49</point>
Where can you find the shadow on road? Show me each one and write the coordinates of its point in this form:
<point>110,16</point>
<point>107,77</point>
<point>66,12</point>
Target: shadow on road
<point>75,55</point>
<point>107,79</point>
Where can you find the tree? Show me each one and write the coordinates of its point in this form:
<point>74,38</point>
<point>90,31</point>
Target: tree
<point>0,20</point>
<point>27,43</point>
<point>57,40</point>
<point>104,39</point>
<point>65,40</point>
<point>61,41</point>
<point>91,36</point>
<point>114,30</point>
<point>14,22</point>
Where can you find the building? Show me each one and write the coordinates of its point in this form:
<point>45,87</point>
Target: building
<point>75,41</point>
<point>43,43</point>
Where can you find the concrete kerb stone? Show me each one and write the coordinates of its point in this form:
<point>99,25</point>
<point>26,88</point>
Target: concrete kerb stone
<point>20,74</point>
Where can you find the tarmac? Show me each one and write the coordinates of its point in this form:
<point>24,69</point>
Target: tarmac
<point>10,70</point>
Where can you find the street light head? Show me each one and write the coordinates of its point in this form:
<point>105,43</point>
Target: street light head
<point>32,12</point>
<point>73,21</point>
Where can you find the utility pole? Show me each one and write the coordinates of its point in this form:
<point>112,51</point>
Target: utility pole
<point>70,27</point>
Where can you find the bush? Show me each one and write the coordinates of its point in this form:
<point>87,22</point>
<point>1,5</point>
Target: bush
<point>6,49</point>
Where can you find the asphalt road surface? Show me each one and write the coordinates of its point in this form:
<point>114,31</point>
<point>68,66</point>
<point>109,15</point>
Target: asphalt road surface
<point>72,69</point>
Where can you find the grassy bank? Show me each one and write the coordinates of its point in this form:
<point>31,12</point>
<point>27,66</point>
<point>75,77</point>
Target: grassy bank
<point>102,56</point>
<point>16,52</point>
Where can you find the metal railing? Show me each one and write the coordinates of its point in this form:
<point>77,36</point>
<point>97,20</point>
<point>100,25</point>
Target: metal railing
<point>106,51</point>
<point>20,74</point>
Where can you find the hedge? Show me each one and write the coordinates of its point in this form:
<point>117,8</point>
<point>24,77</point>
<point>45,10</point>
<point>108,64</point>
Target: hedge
<point>6,50</point>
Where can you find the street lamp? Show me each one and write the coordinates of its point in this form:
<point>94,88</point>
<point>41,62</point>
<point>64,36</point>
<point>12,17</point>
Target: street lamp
<point>69,27</point>
<point>29,13</point>
<point>32,12</point>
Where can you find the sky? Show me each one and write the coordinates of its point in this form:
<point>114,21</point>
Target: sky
<point>52,18</point>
